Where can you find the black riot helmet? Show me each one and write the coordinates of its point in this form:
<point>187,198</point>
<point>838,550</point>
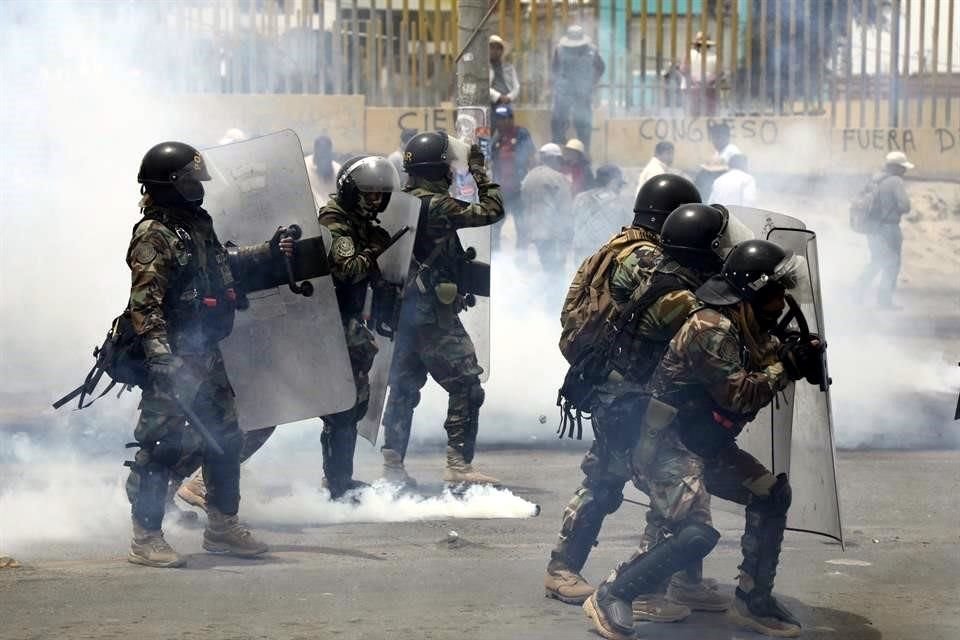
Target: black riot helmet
<point>659,196</point>
<point>426,151</point>
<point>364,184</point>
<point>750,268</point>
<point>174,170</point>
<point>694,236</point>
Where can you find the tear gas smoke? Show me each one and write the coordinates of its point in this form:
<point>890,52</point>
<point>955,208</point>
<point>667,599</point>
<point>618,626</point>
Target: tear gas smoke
<point>59,497</point>
<point>76,118</point>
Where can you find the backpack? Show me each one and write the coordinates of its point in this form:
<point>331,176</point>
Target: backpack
<point>588,318</point>
<point>863,206</point>
<point>588,303</point>
<point>120,357</point>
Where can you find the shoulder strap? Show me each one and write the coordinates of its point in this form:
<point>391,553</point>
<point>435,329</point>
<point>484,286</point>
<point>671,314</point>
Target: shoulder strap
<point>660,285</point>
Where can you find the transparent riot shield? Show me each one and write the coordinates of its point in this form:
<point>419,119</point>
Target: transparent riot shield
<point>402,212</point>
<point>473,127</point>
<point>795,434</point>
<point>476,319</point>
<point>287,357</point>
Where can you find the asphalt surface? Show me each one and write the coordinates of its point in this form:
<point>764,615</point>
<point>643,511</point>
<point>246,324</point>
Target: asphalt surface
<point>898,578</point>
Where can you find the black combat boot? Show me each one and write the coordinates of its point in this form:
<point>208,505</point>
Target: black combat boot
<point>755,607</point>
<point>611,607</point>
<point>338,445</point>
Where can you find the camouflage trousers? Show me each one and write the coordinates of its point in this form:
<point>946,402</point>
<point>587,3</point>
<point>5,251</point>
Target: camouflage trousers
<point>168,448</point>
<point>606,467</point>
<point>680,483</point>
<point>444,350</point>
<point>339,436</point>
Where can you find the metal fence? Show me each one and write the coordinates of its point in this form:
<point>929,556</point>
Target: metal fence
<point>863,62</point>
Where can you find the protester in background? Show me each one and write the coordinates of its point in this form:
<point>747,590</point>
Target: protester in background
<point>661,162</point>
<point>512,154</point>
<point>890,203</point>
<point>736,186</point>
<point>396,158</point>
<point>578,167</point>
<point>504,84</point>
<point>546,208</point>
<point>720,161</point>
<point>598,214</point>
<point>322,169</point>
<point>700,78</point>
<point>576,68</point>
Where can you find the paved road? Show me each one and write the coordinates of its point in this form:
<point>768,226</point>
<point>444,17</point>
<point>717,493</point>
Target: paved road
<point>898,578</point>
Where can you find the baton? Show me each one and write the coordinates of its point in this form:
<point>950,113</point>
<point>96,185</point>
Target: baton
<point>197,424</point>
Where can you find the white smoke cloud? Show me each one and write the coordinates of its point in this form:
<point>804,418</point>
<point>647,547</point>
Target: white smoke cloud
<point>61,497</point>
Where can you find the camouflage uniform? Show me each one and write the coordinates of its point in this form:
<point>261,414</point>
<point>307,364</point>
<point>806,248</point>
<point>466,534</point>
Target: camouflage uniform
<point>431,339</point>
<point>178,268</point>
<point>719,371</point>
<point>352,258</point>
<point>618,400</point>
<point>355,246</point>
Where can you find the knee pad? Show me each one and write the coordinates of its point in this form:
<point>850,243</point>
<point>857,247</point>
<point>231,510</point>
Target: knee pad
<point>777,501</point>
<point>607,497</point>
<point>697,539</point>
<point>166,451</point>
<point>400,406</point>
<point>476,395</point>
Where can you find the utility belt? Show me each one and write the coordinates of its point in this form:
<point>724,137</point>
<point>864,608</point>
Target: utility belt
<point>208,316</point>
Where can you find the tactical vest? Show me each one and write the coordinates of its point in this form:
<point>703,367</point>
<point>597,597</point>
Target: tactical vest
<point>635,354</point>
<point>200,302</point>
<point>351,296</point>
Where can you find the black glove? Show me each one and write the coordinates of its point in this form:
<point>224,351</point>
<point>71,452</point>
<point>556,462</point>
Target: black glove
<point>163,368</point>
<point>475,160</point>
<point>801,359</point>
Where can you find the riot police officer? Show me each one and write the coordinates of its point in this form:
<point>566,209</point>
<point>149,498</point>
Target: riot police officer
<point>431,338</point>
<point>182,303</point>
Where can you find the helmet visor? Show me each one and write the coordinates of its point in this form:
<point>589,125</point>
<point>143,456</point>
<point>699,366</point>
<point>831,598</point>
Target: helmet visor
<point>791,274</point>
<point>374,174</point>
<point>733,234</point>
<point>187,180</point>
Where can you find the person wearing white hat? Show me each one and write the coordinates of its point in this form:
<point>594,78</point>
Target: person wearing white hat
<point>546,197</point>
<point>578,166</point>
<point>576,68</point>
<point>504,83</point>
<point>889,203</point>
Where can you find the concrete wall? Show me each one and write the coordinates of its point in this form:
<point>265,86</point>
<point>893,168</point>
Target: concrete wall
<point>806,146</point>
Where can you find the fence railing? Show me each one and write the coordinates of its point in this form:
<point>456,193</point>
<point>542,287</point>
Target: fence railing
<point>861,62</point>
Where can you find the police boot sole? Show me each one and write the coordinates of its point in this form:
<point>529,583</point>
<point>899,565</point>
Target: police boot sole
<point>227,550</point>
<point>553,595</point>
<point>600,622</point>
<point>755,624</point>
<point>170,564</point>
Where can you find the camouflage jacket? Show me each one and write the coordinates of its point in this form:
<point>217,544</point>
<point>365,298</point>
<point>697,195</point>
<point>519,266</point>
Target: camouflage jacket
<point>181,289</point>
<point>437,233</point>
<point>355,244</point>
<point>634,268</point>
<point>646,335</point>
<point>710,368</point>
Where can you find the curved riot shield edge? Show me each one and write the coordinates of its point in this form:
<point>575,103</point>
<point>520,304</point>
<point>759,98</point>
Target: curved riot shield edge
<point>795,434</point>
<point>394,263</point>
<point>287,356</point>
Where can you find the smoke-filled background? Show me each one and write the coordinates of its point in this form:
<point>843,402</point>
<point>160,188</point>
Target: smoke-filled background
<point>77,112</point>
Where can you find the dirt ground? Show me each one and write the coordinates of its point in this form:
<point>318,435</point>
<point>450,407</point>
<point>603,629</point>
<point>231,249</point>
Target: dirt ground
<point>898,577</point>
